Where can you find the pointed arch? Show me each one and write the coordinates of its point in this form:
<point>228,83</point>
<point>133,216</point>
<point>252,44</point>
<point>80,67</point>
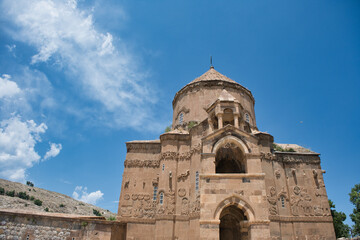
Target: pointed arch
<point>237,201</point>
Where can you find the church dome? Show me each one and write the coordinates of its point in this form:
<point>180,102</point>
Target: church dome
<point>191,102</point>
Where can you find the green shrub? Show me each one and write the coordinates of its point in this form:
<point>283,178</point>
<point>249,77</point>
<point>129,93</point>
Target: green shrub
<point>38,202</point>
<point>10,193</point>
<point>32,198</point>
<point>168,129</point>
<point>23,195</point>
<point>29,183</point>
<point>46,209</point>
<point>280,149</point>
<point>2,191</point>
<point>191,124</point>
<point>61,205</point>
<point>96,212</point>
<point>112,218</point>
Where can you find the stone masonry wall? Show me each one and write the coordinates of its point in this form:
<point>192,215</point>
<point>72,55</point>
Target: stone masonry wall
<point>31,226</point>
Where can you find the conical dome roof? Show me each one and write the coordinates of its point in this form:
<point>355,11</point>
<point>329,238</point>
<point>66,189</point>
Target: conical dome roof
<point>212,74</point>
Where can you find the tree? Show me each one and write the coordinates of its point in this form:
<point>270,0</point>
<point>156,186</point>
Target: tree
<point>355,216</point>
<point>341,229</point>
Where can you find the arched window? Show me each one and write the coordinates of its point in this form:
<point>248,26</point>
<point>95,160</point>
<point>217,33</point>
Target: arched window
<point>181,118</point>
<point>161,198</point>
<point>163,167</point>
<point>228,117</point>
<point>230,159</point>
<point>247,118</point>
<point>197,181</point>
<point>155,193</point>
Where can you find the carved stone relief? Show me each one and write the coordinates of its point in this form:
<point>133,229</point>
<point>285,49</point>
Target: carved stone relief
<point>184,206</point>
<point>277,173</point>
<point>182,192</point>
<point>138,206</point>
<point>183,176</point>
<point>272,199</point>
<point>267,156</point>
<point>141,163</point>
<point>175,156</point>
<point>170,202</point>
<point>195,206</point>
<point>301,203</point>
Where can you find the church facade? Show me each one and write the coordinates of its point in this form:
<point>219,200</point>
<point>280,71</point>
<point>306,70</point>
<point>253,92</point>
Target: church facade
<point>214,175</point>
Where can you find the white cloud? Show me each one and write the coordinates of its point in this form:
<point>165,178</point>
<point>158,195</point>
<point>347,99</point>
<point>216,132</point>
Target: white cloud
<point>65,34</point>
<point>17,146</point>
<point>80,193</point>
<point>8,88</point>
<point>54,151</point>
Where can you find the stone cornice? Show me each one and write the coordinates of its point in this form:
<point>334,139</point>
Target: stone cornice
<point>211,83</point>
<point>300,219</point>
<point>232,175</point>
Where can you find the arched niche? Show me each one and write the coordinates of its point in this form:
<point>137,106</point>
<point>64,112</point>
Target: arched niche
<point>230,159</point>
<point>233,224</point>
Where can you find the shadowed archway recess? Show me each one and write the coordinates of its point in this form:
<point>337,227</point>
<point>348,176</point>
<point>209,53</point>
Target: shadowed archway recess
<point>231,224</point>
<point>230,159</point>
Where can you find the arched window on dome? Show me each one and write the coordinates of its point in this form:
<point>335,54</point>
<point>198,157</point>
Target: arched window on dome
<point>247,118</point>
<point>181,118</point>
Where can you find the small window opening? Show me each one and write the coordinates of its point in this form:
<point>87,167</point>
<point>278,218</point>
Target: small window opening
<point>197,181</point>
<point>161,198</point>
<point>163,167</point>
<point>247,118</point>
<point>181,118</point>
<point>282,201</point>
<point>228,117</point>
<point>155,193</point>
<point>27,237</point>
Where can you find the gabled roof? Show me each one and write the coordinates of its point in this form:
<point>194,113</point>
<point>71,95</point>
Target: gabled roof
<point>212,74</point>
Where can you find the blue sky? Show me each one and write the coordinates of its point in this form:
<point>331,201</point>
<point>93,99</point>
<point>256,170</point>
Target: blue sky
<point>80,78</point>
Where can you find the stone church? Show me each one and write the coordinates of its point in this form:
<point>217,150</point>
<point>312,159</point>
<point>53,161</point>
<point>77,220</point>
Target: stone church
<point>214,175</point>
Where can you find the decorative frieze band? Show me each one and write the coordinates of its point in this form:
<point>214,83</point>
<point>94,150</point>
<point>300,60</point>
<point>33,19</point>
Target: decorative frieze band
<point>141,163</point>
<point>175,156</point>
<point>291,158</point>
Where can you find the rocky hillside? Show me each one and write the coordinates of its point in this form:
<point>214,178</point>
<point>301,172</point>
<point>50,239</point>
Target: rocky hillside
<point>18,196</point>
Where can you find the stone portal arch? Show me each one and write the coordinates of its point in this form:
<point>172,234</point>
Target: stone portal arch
<point>238,202</point>
<point>234,215</point>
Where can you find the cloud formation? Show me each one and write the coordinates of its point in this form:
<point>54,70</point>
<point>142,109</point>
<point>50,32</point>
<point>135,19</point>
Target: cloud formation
<point>66,35</point>
<point>54,151</point>
<point>19,137</point>
<point>17,147</point>
<point>8,88</point>
<point>80,193</point>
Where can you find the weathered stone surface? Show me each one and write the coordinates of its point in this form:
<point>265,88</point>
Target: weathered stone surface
<point>215,175</point>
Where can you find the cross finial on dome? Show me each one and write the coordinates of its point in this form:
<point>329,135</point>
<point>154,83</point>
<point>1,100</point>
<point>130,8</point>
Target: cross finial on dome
<point>211,65</point>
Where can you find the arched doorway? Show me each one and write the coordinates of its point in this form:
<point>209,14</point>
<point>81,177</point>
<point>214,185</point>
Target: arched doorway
<point>230,159</point>
<point>232,224</point>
